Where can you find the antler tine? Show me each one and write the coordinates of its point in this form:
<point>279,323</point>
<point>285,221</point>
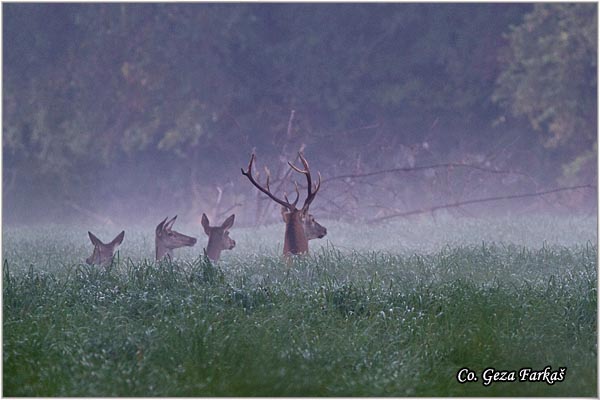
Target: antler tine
<point>296,168</point>
<point>248,173</point>
<point>268,173</point>
<point>318,185</point>
<point>267,191</point>
<point>306,171</point>
<point>312,193</point>
<point>250,163</point>
<point>319,173</point>
<point>303,160</point>
<point>297,195</point>
<point>304,163</point>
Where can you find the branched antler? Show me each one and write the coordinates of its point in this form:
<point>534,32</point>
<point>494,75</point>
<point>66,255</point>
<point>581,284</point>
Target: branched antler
<point>306,171</point>
<point>266,190</point>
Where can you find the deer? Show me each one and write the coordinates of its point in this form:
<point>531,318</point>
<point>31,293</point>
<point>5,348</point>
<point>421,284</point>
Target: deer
<point>103,252</point>
<point>218,237</point>
<point>300,225</point>
<point>312,229</point>
<point>166,239</point>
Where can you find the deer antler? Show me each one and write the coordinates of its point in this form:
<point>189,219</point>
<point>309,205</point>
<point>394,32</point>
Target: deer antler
<point>306,171</point>
<point>266,190</point>
<point>297,195</point>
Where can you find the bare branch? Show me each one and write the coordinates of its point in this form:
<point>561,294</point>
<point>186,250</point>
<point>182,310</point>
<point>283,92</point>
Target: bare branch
<point>289,127</point>
<point>484,200</point>
<point>433,166</point>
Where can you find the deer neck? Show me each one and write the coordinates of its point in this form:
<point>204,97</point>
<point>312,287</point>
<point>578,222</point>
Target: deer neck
<point>295,239</point>
<point>162,251</point>
<point>213,250</point>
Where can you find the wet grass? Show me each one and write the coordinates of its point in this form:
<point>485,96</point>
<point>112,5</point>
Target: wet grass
<point>336,323</point>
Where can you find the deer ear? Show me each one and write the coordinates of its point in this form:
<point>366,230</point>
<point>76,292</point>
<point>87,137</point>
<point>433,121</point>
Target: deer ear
<point>160,226</point>
<point>118,240</point>
<point>305,215</point>
<point>171,222</point>
<point>205,224</point>
<point>95,241</point>
<point>228,222</point>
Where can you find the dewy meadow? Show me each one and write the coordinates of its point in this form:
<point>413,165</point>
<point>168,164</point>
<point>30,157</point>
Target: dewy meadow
<point>400,313</point>
<point>299,199</point>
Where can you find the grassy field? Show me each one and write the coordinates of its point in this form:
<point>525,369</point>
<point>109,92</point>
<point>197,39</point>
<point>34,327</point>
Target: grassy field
<point>389,310</point>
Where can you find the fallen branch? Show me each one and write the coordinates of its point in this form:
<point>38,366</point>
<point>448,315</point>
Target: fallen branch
<point>433,166</point>
<point>484,200</point>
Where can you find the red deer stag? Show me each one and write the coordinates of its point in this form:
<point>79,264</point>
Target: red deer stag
<point>300,226</point>
<point>103,253</point>
<point>166,239</point>
<point>218,237</point>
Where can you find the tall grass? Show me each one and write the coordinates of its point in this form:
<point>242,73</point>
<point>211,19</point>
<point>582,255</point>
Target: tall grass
<point>339,322</point>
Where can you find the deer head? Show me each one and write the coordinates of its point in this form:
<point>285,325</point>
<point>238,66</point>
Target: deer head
<point>312,229</point>
<point>300,226</point>
<point>103,253</point>
<point>166,239</point>
<point>218,237</point>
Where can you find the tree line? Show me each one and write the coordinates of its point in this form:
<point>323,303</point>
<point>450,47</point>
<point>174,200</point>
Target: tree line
<point>143,104</point>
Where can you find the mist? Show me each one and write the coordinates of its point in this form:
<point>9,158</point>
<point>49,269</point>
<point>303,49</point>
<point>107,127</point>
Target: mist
<point>414,188</point>
<point>119,115</point>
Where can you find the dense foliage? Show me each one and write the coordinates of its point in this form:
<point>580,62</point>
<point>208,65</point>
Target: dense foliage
<point>552,62</point>
<point>171,98</point>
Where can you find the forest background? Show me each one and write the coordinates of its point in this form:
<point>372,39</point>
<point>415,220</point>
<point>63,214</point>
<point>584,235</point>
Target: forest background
<point>132,112</point>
